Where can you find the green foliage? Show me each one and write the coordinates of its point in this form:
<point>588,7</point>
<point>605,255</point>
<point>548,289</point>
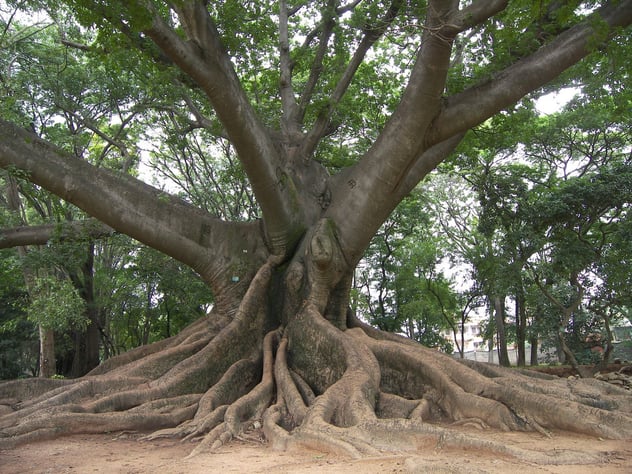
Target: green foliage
<point>144,295</point>
<point>401,288</point>
<point>18,337</point>
<point>203,169</point>
<point>554,194</point>
<point>78,83</point>
<point>55,304</point>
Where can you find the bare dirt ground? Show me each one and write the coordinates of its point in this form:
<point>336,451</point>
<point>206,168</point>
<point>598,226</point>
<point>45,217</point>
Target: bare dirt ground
<point>126,453</point>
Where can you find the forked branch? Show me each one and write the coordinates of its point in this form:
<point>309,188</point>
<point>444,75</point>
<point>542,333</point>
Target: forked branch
<point>204,58</point>
<point>474,105</point>
<point>371,34</point>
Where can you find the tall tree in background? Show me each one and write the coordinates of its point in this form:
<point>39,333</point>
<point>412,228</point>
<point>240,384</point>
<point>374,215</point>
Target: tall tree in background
<point>398,285</point>
<point>330,143</point>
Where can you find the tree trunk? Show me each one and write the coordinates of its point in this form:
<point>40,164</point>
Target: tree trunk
<point>534,351</point>
<point>410,328</point>
<point>47,365</point>
<point>567,313</point>
<point>499,317</point>
<point>87,343</point>
<point>86,355</point>
<point>605,358</point>
<point>521,329</point>
<point>570,357</point>
<point>490,343</point>
<point>462,346</point>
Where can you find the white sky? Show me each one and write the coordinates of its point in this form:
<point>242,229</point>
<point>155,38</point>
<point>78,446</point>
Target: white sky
<point>553,102</point>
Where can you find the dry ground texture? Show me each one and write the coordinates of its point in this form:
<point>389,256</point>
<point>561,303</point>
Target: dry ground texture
<point>126,453</point>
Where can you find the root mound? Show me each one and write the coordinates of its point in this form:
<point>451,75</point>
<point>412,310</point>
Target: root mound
<point>354,391</point>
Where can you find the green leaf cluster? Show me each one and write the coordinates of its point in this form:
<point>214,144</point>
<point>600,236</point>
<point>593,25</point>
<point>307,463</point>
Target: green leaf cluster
<point>56,304</point>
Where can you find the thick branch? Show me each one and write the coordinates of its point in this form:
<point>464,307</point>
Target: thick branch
<point>367,193</point>
<point>288,100</point>
<point>326,30</point>
<point>75,45</point>
<point>474,105</point>
<point>134,208</point>
<point>42,234</point>
<point>478,12</point>
<point>370,191</point>
<point>205,60</point>
<point>428,161</point>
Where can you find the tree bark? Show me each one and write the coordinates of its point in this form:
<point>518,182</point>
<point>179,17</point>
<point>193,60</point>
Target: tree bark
<point>566,313</point>
<point>47,361</point>
<point>87,342</point>
<point>499,318</point>
<point>605,359</point>
<point>42,234</point>
<point>521,329</point>
<point>534,351</point>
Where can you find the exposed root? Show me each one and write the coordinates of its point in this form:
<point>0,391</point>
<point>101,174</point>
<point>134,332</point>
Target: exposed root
<point>148,416</point>
<point>588,392</point>
<point>293,392</point>
<point>357,392</point>
<point>250,406</point>
<point>189,429</point>
<point>197,333</point>
<point>176,377</point>
<point>235,382</point>
<point>435,388</point>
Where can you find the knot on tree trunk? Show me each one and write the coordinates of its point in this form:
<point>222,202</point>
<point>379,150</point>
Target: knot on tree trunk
<point>321,246</point>
<point>325,263</point>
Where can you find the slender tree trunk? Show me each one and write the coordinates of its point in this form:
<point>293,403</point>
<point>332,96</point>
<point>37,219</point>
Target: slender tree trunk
<point>568,354</point>
<point>534,350</point>
<point>47,353</point>
<point>605,359</point>
<point>568,313</point>
<point>561,356</point>
<point>462,349</point>
<point>410,326</point>
<point>47,339</point>
<point>521,329</point>
<point>87,343</point>
<point>499,315</point>
<point>490,343</point>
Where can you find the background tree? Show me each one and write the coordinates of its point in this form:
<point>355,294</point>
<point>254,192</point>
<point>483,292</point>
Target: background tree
<point>65,95</point>
<point>281,345</point>
<point>515,164</point>
<point>18,341</point>
<point>399,282</point>
<point>144,296</point>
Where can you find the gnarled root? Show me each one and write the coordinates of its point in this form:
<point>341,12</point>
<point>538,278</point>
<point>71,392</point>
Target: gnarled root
<point>356,391</point>
<point>389,395</point>
<point>248,407</point>
<point>174,382</point>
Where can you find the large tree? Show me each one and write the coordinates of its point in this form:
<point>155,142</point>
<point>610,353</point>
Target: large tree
<point>281,345</point>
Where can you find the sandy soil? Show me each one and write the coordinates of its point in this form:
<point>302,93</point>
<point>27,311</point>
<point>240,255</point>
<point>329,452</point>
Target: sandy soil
<point>125,453</point>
